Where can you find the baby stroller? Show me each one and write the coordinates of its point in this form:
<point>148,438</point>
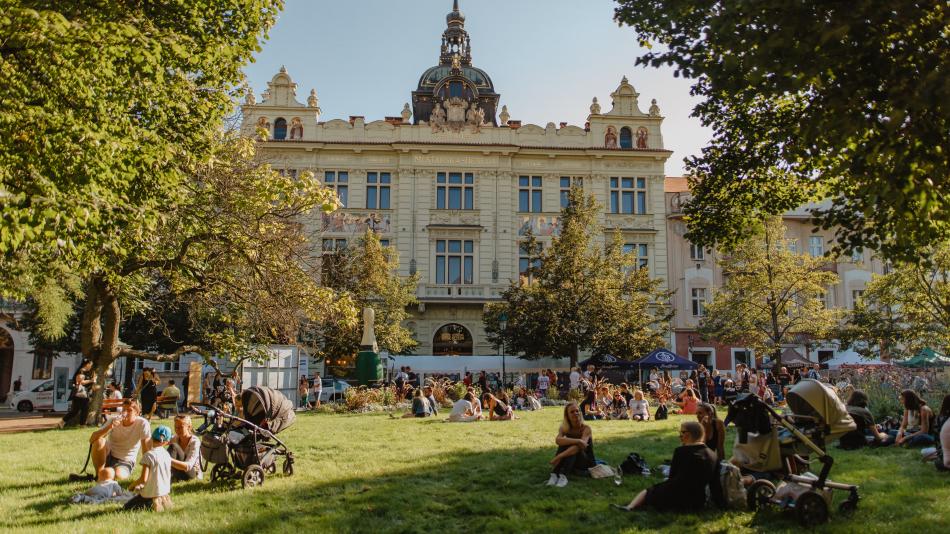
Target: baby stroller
<point>246,448</point>
<point>775,445</point>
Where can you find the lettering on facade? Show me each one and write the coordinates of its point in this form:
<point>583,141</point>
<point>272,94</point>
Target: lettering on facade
<point>422,159</point>
<point>356,223</point>
<point>540,226</point>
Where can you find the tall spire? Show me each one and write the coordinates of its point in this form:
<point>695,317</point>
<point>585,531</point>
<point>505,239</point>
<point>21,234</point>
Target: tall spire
<point>455,40</point>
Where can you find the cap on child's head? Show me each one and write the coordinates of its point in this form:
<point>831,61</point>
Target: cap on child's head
<point>162,434</point>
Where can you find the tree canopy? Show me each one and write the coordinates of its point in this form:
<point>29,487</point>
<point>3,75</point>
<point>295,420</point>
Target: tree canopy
<point>810,101</point>
<point>905,310</point>
<point>367,273</point>
<point>771,295</point>
<point>580,294</point>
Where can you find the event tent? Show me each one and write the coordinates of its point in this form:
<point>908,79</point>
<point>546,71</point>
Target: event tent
<point>927,358</point>
<point>852,358</point>
<point>607,361</point>
<point>664,359</point>
<point>790,358</point>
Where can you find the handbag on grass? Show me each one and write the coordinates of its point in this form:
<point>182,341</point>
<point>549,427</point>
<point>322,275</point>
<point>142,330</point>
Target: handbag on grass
<point>601,471</point>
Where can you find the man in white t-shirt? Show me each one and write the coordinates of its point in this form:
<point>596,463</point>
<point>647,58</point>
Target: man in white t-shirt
<point>156,481</point>
<point>575,378</point>
<point>116,444</point>
<point>543,384</point>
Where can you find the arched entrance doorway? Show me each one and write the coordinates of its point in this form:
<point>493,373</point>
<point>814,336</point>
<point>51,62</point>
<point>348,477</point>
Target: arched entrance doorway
<point>6,363</point>
<point>452,340</point>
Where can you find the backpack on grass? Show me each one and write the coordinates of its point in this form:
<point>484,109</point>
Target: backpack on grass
<point>661,413</point>
<point>732,491</point>
<point>634,464</point>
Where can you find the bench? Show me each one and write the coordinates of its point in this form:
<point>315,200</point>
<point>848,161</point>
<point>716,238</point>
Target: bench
<point>113,406</point>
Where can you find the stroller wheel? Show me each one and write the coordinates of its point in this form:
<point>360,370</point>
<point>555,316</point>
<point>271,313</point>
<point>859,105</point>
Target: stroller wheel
<point>812,509</point>
<point>288,466</point>
<point>253,476</point>
<point>759,494</point>
<point>220,472</point>
<point>848,507</point>
<point>271,468</point>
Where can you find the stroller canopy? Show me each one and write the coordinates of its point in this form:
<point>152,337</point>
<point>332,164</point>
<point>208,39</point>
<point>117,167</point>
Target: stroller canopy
<point>267,408</point>
<point>817,399</point>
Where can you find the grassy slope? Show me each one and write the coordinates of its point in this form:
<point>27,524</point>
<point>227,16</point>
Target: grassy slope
<point>369,473</point>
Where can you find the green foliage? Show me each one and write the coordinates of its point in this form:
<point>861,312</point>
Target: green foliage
<point>905,310</point>
<point>771,295</point>
<point>367,273</point>
<point>581,295</point>
<point>107,105</point>
<point>813,101</point>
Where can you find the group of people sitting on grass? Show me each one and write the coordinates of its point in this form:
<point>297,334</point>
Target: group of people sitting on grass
<point>919,426</point>
<point>491,407</point>
<point>165,457</point>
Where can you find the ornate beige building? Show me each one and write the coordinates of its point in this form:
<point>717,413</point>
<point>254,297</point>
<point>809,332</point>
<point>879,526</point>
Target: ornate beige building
<point>453,183</point>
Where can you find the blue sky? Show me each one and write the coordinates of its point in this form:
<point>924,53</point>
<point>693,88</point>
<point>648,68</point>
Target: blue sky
<point>547,59</point>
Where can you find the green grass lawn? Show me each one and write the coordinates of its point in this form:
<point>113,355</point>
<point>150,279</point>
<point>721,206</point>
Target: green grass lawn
<point>369,473</point>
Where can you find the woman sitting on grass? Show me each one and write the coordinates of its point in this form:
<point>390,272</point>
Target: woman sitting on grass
<point>694,466</point>
<point>463,411</point>
<point>915,429</point>
<point>420,406</point>
<point>713,429</point>
<point>639,407</point>
<point>589,407</point>
<point>687,402</point>
<point>857,407</point>
<point>575,447</point>
<point>618,408</point>
<point>497,409</point>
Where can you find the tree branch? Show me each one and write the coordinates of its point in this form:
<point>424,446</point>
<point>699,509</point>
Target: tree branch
<point>172,357</point>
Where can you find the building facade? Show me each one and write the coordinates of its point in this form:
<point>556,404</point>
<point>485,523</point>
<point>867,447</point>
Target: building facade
<point>696,275</point>
<point>453,183</point>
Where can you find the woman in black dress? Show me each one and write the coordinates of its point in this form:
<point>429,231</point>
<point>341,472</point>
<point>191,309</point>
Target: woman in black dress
<point>575,447</point>
<point>81,389</point>
<point>148,391</point>
<point>694,467</point>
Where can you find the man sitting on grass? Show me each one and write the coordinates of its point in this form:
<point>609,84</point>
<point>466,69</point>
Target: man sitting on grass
<point>156,481</point>
<point>116,444</point>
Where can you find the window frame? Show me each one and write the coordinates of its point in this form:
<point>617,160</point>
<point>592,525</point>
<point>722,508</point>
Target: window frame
<point>530,194</point>
<point>378,188</point>
<point>816,246</point>
<point>446,189</point>
<point>339,181</point>
<point>635,192</point>
<point>464,254</point>
<point>565,190</point>
<point>697,306</point>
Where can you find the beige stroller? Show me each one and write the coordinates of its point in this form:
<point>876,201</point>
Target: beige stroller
<point>772,445</point>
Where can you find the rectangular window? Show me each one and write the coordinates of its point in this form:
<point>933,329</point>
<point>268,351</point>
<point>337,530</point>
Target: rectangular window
<point>742,356</point>
<point>641,250</point>
<point>339,181</point>
<point>856,295</point>
<point>42,364</point>
<point>378,190</point>
<point>825,355</point>
<point>384,243</point>
<point>454,261</point>
<point>524,262</point>
<point>793,246</point>
<point>529,194</point>
<point>566,183</point>
<point>816,246</point>
<point>455,191</point>
<point>628,195</point>
<point>698,298</point>
<point>857,255</point>
<point>333,245</point>
<point>696,252</point>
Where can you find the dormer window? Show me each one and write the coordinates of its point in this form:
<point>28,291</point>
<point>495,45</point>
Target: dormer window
<point>280,129</point>
<point>455,89</point>
<point>626,137</point>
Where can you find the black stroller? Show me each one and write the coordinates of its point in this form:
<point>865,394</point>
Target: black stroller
<point>248,447</point>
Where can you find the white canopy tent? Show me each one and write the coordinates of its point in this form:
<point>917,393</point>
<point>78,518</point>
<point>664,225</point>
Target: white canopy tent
<point>431,365</point>
<point>851,357</point>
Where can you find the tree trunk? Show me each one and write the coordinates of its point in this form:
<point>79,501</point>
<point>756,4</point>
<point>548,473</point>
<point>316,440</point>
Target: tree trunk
<point>574,356</point>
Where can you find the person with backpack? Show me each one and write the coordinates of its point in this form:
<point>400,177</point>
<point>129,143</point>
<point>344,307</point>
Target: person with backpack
<point>694,467</point>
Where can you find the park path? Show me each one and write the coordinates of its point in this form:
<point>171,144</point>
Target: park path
<point>11,422</point>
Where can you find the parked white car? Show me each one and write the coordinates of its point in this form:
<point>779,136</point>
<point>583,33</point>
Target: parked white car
<point>333,389</point>
<point>38,398</point>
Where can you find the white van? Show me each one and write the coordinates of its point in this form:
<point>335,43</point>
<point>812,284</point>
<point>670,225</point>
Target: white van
<point>38,398</point>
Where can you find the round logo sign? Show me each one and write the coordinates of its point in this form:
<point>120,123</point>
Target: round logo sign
<point>665,357</point>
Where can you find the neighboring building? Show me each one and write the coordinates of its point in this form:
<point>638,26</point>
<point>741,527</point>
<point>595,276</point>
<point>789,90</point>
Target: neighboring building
<point>695,275</point>
<point>454,187</point>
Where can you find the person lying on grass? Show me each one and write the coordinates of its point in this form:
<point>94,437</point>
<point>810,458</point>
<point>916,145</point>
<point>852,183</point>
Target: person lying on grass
<point>498,410</point>
<point>116,444</point>
<point>463,411</point>
<point>155,483</point>
<point>693,468</point>
<point>575,447</point>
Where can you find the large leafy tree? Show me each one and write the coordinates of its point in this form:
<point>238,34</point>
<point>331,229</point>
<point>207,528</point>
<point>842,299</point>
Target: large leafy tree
<point>581,295</point>
<point>904,310</point>
<point>367,272</point>
<point>811,100</point>
<point>771,295</point>
<point>227,270</point>
<point>105,105</point>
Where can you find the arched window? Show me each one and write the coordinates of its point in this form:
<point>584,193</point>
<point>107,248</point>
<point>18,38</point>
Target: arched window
<point>452,340</point>
<point>280,129</point>
<point>626,138</point>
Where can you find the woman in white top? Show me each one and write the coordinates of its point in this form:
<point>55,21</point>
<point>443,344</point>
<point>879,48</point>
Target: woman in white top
<point>639,407</point>
<point>463,411</point>
<point>185,451</point>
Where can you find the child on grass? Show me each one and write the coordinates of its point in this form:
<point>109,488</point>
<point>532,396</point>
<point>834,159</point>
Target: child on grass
<point>105,489</point>
<point>154,484</point>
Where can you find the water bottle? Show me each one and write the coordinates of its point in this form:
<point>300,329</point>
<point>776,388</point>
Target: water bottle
<point>618,476</point>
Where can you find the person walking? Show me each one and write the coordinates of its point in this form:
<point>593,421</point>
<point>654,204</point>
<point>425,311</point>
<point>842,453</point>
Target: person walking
<point>702,378</point>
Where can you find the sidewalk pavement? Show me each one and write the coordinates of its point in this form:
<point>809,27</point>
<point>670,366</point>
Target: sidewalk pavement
<point>12,421</point>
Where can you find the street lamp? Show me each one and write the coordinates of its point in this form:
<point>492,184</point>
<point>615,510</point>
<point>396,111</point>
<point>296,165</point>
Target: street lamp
<point>503,326</point>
